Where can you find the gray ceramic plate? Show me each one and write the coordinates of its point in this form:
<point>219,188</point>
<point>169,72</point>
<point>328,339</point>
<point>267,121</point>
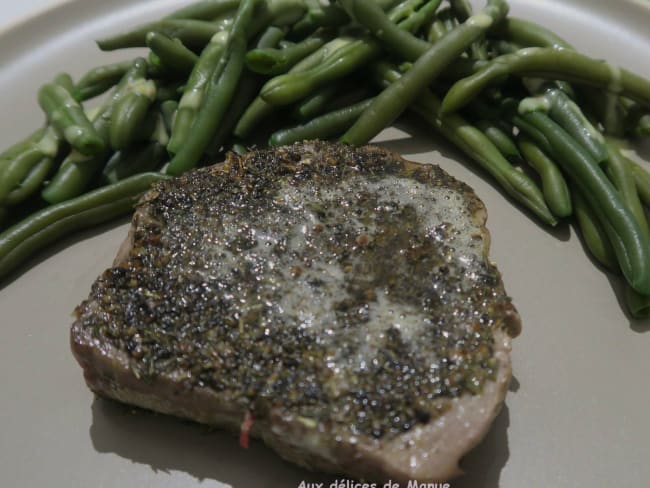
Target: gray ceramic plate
<point>578,412</point>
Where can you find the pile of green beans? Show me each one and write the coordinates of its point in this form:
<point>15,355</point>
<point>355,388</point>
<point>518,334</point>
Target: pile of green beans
<point>549,125</point>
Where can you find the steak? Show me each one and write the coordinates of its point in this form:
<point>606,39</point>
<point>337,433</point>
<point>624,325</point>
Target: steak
<point>336,302</point>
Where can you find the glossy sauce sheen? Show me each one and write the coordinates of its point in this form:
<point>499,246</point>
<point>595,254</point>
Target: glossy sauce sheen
<point>344,286</point>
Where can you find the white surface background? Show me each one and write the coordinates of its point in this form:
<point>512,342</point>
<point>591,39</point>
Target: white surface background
<point>579,417</point>
<point>15,11</point>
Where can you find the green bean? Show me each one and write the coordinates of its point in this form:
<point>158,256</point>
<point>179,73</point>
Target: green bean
<point>326,16</point>
<point>387,4</point>
<point>568,115</point>
<point>314,7</point>
<point>478,147</point>
<point>394,39</point>
<point>479,50</point>
<point>168,110</point>
<point>4,214</point>
<point>392,101</point>
<point>48,143</point>
<point>64,80</point>
<point>500,139</point>
<point>554,186</point>
<point>31,183</point>
<point>523,87</point>
<point>294,86</point>
<point>160,133</point>
<point>195,91</point>
<point>134,160</point>
<point>62,229</point>
<point>239,148</point>
<point>330,97</point>
<point>621,175</point>
<point>479,109</point>
<point>37,231</point>
<point>612,114</point>
<point>14,150</point>
<point>424,16</point>
<point>523,124</point>
<point>15,170</point>
<point>593,233</point>
<point>66,115</point>
<point>205,10</point>
<point>279,13</point>
<point>524,33</point>
<point>642,180</point>
<point>24,156</point>
<point>474,144</point>
<point>156,65</point>
<point>130,113</point>
<point>270,37</point>
<point>246,92</point>
<point>77,171</point>
<point>438,27</point>
<point>509,110</point>
<point>642,128</point>
<point>173,55</point>
<point>551,64</point>
<point>192,33</point>
<point>462,9</point>
<point>636,119</point>
<point>316,103</point>
<point>99,80</point>
<point>600,247</point>
<point>271,61</point>
<point>258,110</point>
<point>327,51</point>
<point>505,47</point>
<point>169,90</point>
<point>529,34</point>
<point>403,10</point>
<point>450,22</point>
<point>637,304</point>
<point>222,86</point>
<point>73,177</point>
<point>223,97</point>
<point>631,244</point>
<point>323,127</point>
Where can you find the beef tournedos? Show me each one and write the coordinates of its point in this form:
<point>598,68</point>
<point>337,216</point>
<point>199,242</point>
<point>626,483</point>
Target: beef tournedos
<point>337,302</point>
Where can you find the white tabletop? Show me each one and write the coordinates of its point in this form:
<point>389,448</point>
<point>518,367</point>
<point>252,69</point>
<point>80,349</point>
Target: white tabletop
<point>15,11</point>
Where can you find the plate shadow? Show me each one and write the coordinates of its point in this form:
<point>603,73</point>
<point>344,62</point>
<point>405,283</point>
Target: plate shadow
<point>483,464</point>
<point>167,444</point>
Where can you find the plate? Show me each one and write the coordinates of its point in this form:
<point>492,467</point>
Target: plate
<point>577,413</point>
